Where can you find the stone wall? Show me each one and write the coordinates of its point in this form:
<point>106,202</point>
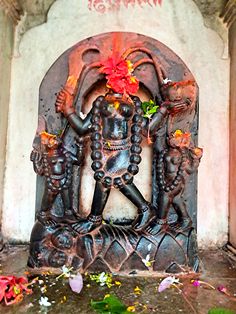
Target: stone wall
<point>6,48</point>
<point>179,25</point>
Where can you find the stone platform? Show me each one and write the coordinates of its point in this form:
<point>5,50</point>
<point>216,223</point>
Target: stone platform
<point>114,249</point>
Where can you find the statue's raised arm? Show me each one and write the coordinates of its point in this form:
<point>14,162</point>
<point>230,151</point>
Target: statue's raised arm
<point>64,104</point>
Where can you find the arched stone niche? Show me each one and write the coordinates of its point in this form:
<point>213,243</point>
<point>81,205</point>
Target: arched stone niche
<point>92,50</point>
<point>77,71</point>
<point>177,24</point>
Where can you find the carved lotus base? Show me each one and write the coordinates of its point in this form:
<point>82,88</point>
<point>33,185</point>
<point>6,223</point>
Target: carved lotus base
<point>114,249</point>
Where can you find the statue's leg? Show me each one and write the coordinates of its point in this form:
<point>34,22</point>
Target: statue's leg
<point>67,202</point>
<point>145,211</point>
<point>94,219</point>
<point>44,214</point>
<point>184,221</point>
<point>164,203</point>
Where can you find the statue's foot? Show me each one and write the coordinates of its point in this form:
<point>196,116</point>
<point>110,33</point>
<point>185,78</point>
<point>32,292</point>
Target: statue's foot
<point>143,218</point>
<point>156,226</point>
<point>87,225</point>
<point>70,217</point>
<point>46,220</point>
<point>183,224</point>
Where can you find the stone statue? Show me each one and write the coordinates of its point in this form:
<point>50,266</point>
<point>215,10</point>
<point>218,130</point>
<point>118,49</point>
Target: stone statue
<point>56,164</point>
<point>117,127</point>
<point>174,164</point>
<point>115,152</point>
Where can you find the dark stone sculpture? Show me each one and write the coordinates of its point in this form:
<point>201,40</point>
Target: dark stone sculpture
<point>173,165</point>
<point>117,126</point>
<point>55,163</point>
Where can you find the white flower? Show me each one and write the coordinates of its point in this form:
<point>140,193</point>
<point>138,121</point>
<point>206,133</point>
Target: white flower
<point>82,115</point>
<point>166,80</point>
<point>65,272</point>
<point>147,261</point>
<point>102,278</point>
<point>44,301</point>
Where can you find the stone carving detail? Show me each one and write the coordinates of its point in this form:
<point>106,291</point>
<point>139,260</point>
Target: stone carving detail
<point>56,164</point>
<point>117,125</point>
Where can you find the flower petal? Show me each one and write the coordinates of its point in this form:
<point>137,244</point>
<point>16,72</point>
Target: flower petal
<point>166,283</point>
<point>76,283</point>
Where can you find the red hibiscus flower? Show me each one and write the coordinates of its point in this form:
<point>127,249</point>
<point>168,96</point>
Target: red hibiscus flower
<point>12,288</point>
<point>118,74</point>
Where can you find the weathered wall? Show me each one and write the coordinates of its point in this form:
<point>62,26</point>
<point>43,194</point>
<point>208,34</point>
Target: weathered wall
<point>6,47</point>
<point>179,25</point>
<point>232,194</point>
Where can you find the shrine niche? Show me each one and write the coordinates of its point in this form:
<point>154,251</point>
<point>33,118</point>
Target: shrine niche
<point>135,91</point>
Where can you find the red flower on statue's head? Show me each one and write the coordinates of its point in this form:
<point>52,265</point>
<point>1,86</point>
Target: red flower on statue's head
<point>119,75</point>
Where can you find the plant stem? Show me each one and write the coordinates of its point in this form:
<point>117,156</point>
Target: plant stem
<point>185,298</point>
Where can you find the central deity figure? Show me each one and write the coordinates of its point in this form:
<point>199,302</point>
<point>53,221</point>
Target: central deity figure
<point>116,125</point>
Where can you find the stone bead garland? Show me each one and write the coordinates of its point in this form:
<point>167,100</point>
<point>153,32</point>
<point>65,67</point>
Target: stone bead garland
<point>97,145</point>
<point>64,180</point>
<point>161,172</point>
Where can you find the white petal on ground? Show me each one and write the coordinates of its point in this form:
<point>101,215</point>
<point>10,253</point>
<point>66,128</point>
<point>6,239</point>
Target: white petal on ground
<point>44,301</point>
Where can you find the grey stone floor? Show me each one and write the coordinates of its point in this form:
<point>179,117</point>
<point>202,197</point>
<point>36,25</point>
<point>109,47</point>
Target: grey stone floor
<point>218,268</point>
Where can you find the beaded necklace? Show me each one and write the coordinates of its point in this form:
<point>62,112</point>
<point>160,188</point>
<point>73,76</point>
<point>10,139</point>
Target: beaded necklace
<point>161,172</point>
<point>133,144</point>
<point>56,183</point>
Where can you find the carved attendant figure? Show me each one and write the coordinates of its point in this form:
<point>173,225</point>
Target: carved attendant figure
<point>56,164</point>
<point>174,163</point>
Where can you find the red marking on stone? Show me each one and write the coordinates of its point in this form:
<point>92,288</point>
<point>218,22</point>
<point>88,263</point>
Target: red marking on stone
<point>104,6</point>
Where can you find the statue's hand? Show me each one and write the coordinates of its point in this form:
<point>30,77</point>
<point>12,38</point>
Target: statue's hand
<point>64,103</point>
<point>174,106</point>
<point>35,156</point>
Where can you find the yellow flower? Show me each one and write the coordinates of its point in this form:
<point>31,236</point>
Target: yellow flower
<point>116,104</point>
<point>131,308</point>
<point>118,283</point>
<point>133,79</point>
<point>178,133</point>
<point>145,306</point>
<point>107,296</point>
<point>137,290</point>
<point>129,65</point>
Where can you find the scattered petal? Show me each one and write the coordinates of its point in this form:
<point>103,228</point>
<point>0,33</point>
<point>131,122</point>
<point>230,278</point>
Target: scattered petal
<point>166,283</point>
<point>65,272</point>
<point>196,283</point>
<point>131,308</point>
<point>103,279</point>
<point>76,283</point>
<point>44,301</point>
<point>117,283</point>
<point>137,290</point>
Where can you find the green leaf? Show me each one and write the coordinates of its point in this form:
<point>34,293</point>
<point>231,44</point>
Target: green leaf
<point>110,304</point>
<point>149,108</point>
<point>219,310</point>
